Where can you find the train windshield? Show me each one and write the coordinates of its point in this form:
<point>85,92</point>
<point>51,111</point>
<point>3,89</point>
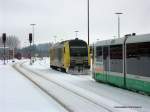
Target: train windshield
<point>78,48</point>
<point>78,51</point>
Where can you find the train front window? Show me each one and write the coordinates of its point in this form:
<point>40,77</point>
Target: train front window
<point>78,51</point>
<point>78,48</point>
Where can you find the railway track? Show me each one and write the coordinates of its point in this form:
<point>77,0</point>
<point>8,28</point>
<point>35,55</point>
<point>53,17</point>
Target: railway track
<point>74,102</point>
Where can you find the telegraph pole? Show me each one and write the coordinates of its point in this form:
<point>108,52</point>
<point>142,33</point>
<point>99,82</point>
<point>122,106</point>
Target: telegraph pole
<point>88,13</point>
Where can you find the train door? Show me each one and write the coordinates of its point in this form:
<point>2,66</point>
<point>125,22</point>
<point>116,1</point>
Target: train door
<point>98,67</point>
<point>106,61</point>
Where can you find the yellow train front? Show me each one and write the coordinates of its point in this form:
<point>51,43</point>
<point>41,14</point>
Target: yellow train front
<point>72,56</point>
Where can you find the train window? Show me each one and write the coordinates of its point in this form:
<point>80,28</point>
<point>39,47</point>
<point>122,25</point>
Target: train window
<point>137,50</point>
<point>138,59</point>
<point>78,51</point>
<point>132,50</point>
<point>58,53</point>
<point>99,53</point>
<point>116,63</point>
<point>144,49</point>
<point>105,52</point>
<point>116,52</point>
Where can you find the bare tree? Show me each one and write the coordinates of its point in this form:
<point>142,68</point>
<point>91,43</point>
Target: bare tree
<point>13,42</point>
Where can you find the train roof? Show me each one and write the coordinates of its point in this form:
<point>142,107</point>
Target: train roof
<point>62,42</point>
<point>72,40</point>
<point>131,39</point>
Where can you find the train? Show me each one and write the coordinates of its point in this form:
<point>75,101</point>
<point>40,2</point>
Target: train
<point>71,56</point>
<point>123,62</point>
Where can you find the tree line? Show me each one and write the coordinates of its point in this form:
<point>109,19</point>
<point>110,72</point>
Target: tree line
<point>12,42</point>
<point>13,46</point>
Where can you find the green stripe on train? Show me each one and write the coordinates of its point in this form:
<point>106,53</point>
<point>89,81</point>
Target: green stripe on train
<point>131,84</point>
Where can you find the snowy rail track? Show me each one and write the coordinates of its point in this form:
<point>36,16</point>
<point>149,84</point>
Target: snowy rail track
<point>72,99</point>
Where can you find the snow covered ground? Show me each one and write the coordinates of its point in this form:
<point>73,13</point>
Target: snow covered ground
<point>119,96</point>
<point>17,94</point>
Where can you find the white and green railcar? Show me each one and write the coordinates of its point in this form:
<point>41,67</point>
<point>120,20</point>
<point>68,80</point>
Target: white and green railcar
<point>124,62</point>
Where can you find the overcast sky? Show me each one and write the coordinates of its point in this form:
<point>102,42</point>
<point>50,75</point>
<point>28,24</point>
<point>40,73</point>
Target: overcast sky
<point>63,17</point>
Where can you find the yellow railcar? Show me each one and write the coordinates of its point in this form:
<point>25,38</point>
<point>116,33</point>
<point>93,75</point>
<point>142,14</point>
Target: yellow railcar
<point>71,56</point>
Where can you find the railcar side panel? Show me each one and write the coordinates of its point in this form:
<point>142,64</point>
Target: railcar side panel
<point>66,55</point>
<point>108,64</point>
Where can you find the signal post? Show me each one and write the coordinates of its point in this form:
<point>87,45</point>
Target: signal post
<point>4,42</point>
<point>30,41</point>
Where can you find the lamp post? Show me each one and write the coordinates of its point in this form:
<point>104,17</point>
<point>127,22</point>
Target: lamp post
<point>88,13</point>
<point>118,14</point>
<point>76,33</point>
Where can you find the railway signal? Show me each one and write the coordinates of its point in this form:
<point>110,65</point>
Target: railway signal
<point>4,42</point>
<point>30,41</point>
<point>30,38</point>
<point>4,37</point>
